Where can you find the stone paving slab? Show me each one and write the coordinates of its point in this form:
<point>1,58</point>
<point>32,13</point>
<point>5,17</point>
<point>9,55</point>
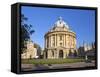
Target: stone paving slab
<point>56,66</point>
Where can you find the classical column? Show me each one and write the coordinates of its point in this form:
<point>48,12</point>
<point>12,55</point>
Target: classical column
<point>56,39</point>
<point>72,41</point>
<point>63,39</point>
<point>50,41</point>
<point>69,41</point>
<point>66,41</point>
<point>45,43</point>
<point>75,42</point>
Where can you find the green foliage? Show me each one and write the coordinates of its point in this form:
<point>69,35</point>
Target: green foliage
<point>26,31</point>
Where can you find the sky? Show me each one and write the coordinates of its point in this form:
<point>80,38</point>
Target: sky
<point>82,22</point>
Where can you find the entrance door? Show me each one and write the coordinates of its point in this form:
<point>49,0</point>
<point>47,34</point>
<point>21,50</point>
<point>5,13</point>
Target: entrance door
<point>61,54</point>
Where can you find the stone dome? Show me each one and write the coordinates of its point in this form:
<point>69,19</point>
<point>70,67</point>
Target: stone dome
<point>59,40</point>
<point>60,25</point>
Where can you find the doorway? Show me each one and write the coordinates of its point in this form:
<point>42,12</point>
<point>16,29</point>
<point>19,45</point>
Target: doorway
<point>61,54</point>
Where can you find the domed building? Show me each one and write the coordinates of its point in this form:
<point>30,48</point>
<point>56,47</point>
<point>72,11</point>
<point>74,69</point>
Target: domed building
<point>60,41</point>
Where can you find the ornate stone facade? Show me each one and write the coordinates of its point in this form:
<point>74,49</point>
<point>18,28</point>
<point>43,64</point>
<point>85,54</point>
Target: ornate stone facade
<point>30,52</point>
<point>59,41</point>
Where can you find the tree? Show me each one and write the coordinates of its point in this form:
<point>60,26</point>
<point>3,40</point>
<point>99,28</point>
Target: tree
<point>26,31</point>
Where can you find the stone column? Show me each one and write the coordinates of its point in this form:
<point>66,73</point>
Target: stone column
<point>65,40</point>
<point>50,41</point>
<point>56,39</point>
<point>45,42</point>
<point>64,54</point>
<point>69,41</point>
<point>57,51</point>
<point>75,42</point>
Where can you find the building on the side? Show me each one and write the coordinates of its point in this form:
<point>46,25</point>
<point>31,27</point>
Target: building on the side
<point>30,51</point>
<point>86,50</point>
<point>60,40</point>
